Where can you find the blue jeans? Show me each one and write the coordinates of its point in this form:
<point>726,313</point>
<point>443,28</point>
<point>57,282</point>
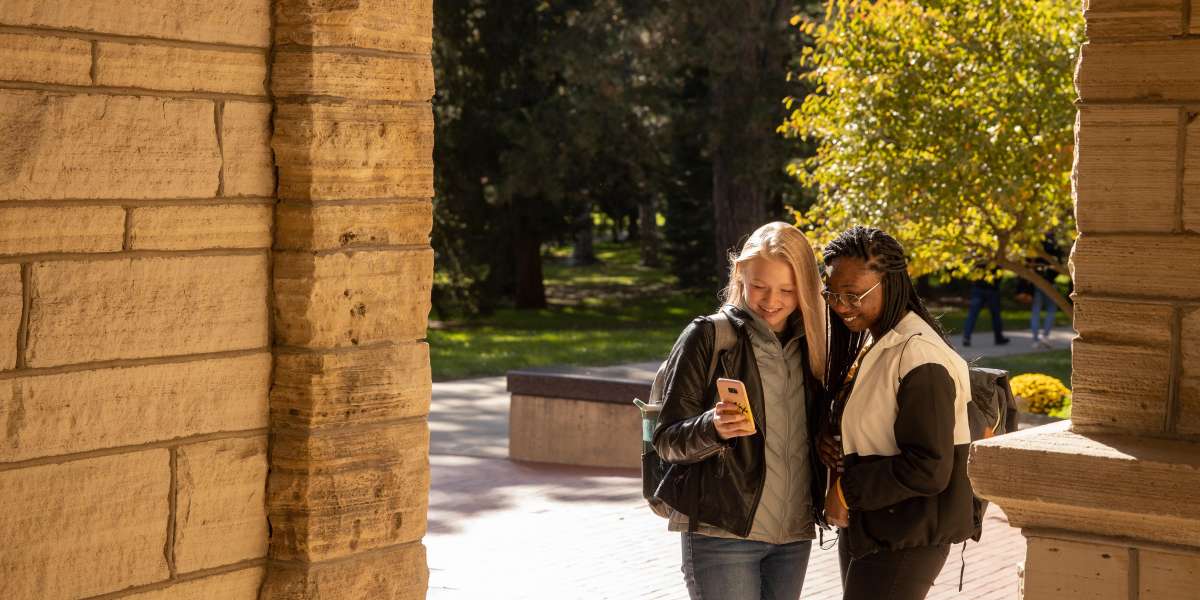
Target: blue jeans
<point>1040,298</point>
<point>726,569</point>
<point>981,296</point>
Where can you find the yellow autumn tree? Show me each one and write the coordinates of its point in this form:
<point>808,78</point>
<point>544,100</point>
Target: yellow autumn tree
<point>948,123</point>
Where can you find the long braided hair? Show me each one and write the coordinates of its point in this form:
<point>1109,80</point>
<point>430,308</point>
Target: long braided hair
<point>882,254</point>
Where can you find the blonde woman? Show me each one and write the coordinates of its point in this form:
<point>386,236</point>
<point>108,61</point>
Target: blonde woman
<point>746,494</point>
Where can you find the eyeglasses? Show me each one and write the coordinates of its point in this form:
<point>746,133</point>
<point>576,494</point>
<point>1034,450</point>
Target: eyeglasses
<point>851,300</point>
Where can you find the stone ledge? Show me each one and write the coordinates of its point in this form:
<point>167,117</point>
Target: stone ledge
<point>1050,477</point>
<point>578,384</point>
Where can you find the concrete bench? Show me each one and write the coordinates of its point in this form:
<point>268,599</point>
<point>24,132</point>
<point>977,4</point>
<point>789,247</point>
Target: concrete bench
<point>578,416</point>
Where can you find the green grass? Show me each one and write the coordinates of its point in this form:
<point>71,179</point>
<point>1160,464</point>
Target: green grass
<point>1056,363</point>
<point>611,313</point>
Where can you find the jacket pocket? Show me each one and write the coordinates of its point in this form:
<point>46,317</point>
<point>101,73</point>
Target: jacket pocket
<point>909,523</point>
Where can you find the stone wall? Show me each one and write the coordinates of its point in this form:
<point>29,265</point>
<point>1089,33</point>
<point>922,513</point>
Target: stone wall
<point>163,307</point>
<point>1109,506</point>
<point>352,272</point>
<point>136,194</point>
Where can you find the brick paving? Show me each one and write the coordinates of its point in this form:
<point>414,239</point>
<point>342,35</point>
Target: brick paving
<point>501,529</point>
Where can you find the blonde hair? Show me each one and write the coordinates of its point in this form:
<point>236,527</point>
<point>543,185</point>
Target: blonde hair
<point>781,241</point>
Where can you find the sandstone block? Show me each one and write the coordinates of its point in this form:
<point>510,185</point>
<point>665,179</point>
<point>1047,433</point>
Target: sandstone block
<point>1123,19</point>
<point>562,431</point>
<point>350,388</point>
<point>336,152</point>
<point>1126,168</point>
<point>174,68</point>
<point>1104,484</point>
<point>12,305</point>
<point>81,146</point>
<point>221,515</point>
<point>354,298</point>
<point>249,166</point>
<point>84,528</point>
<point>334,493</point>
<point>1123,322</point>
<point>45,59</point>
<point>1139,71</point>
<point>1120,387</point>
<point>308,72</point>
<point>346,226</point>
<point>238,585</point>
<point>1195,24</point>
<point>1167,575</point>
<point>1159,266</point>
<point>145,307</point>
<point>32,230</point>
<point>200,227</point>
<point>1191,174</point>
<point>64,413</point>
<point>1067,570</point>
<point>398,573</point>
<point>238,22</point>
<point>391,25</point>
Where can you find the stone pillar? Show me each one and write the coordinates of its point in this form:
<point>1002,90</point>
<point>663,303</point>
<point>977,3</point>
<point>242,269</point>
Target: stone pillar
<point>353,269</point>
<point>1110,503</point>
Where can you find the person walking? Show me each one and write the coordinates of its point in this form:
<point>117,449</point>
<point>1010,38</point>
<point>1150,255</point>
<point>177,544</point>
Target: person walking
<point>901,496</point>
<point>742,489</point>
<point>985,293</point>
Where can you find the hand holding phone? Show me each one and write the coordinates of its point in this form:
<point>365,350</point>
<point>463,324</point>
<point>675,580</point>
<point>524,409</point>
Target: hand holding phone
<point>734,418</point>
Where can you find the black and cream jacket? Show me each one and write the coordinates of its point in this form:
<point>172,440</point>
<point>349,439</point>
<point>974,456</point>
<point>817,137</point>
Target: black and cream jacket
<point>906,438</point>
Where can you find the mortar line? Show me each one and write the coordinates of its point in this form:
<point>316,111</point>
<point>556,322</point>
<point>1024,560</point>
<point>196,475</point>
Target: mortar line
<point>134,202</point>
<point>397,201</point>
<point>309,99</point>
<point>178,359</point>
<point>95,61</point>
<point>81,34</point>
<point>172,506</point>
<point>355,248</point>
<point>300,563</point>
<point>1180,167</point>
<point>270,287</point>
<point>331,429</point>
<point>26,306</point>
<point>1175,356</point>
<point>100,256</point>
<point>155,445</point>
<point>75,90</point>
<point>218,119</point>
<point>353,51</point>
<point>127,241</point>
<point>1108,540</point>
<point>281,349</point>
<point>186,577</point>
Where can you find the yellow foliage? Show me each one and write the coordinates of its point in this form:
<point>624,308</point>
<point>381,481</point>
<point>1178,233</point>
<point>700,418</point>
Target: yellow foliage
<point>1043,393</point>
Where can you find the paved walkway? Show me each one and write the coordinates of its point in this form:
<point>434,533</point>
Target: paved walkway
<point>500,529</point>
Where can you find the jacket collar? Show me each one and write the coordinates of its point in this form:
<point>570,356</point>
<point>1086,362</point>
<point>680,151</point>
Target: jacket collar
<point>912,324</point>
<point>741,317</point>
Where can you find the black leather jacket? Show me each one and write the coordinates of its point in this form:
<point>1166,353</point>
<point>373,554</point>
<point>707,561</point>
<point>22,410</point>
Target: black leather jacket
<point>711,480</point>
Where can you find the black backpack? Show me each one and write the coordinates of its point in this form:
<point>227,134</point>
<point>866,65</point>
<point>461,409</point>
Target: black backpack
<point>653,467</point>
<point>992,411</point>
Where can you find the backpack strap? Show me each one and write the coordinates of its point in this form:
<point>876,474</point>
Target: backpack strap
<point>722,341</point>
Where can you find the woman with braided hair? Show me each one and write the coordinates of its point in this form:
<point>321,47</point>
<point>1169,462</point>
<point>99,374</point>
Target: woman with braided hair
<point>899,436</point>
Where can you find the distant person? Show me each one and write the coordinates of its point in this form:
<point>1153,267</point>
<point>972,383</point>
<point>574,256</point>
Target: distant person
<point>746,503</point>
<point>1036,324</point>
<point>900,407</point>
<point>985,293</point>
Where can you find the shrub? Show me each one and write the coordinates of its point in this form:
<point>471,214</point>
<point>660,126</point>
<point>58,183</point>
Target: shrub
<point>1042,393</point>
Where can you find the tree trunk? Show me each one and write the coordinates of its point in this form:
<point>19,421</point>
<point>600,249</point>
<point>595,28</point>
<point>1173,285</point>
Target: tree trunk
<point>531,291</point>
<point>738,208</point>
<point>584,252</point>
<point>1033,277</point>
<point>648,219</point>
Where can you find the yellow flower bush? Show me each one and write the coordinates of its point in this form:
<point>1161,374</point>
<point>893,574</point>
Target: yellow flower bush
<point>1042,393</point>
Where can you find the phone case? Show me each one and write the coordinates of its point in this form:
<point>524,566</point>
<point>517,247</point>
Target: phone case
<point>733,391</point>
